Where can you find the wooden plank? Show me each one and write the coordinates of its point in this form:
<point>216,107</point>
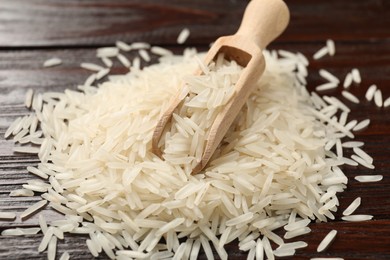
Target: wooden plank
<point>39,23</point>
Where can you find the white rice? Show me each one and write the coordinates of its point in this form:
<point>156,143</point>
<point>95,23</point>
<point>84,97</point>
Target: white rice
<point>160,51</point>
<point>328,239</point>
<point>362,154</point>
<point>90,80</point>
<point>107,62</point>
<point>321,53</point>
<point>350,96</point>
<point>327,86</point>
<point>21,193</point>
<point>206,248</point>
<point>140,45</point>
<point>297,232</point>
<point>102,73</point>
<point>33,209</point>
<point>107,52</point>
<point>45,240</point>
<point>42,223</point>
<point>65,256</point>
<point>144,55</point>
<point>357,218</point>
<point>123,46</point>
<point>259,249</point>
<point>386,103</point>
<point>52,62</point>
<point>91,66</point>
<point>28,98</point>
<point>331,47</point>
<point>125,62</point>
<point>328,76</point>
<point>352,207</point>
<point>370,92</point>
<point>37,172</point>
<point>19,231</point>
<point>363,124</point>
<point>183,36</point>
<point>356,76</point>
<point>352,144</point>
<point>195,250</point>
<point>267,248</point>
<point>378,98</point>
<point>7,215</point>
<point>52,248</point>
<point>362,162</point>
<point>348,80</point>
<point>368,178</point>
<point>26,149</point>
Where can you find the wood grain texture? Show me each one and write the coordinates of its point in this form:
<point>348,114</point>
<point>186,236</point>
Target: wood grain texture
<point>33,31</point>
<point>50,23</point>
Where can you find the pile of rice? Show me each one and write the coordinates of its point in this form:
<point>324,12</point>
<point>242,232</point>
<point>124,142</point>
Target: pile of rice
<point>278,167</point>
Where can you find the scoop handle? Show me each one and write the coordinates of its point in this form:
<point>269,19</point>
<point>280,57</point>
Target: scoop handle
<point>263,21</point>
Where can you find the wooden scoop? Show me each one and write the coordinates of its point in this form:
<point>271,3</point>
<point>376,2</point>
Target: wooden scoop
<point>263,21</point>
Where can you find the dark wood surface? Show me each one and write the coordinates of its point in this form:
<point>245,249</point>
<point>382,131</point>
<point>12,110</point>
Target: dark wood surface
<point>33,30</point>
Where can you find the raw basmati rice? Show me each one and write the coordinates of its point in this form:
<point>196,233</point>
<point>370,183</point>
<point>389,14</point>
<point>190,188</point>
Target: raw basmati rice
<point>350,96</point>
<point>370,92</point>
<point>52,248</point>
<point>102,73</point>
<point>331,47</point>
<point>123,46</point>
<point>21,193</point>
<point>362,154</point>
<point>328,76</point>
<point>33,209</point>
<point>7,215</point>
<point>29,97</point>
<point>356,76</point>
<point>160,51</point>
<point>91,66</point>
<point>125,62</point>
<point>37,172</point>
<point>90,80</point>
<point>65,256</point>
<point>327,86</point>
<point>378,98</point>
<point>348,80</point>
<point>107,62</point>
<point>352,207</point>
<point>357,218</point>
<point>107,52</point>
<point>144,55</point>
<point>352,144</point>
<point>52,62</point>
<point>321,53</point>
<point>369,178</point>
<point>183,36</point>
<point>140,45</point>
<point>363,124</point>
<point>259,249</point>
<point>20,231</point>
<point>362,162</point>
<point>324,244</point>
<point>386,103</point>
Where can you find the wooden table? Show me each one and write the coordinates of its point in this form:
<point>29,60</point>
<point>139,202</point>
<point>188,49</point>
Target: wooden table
<point>32,31</point>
